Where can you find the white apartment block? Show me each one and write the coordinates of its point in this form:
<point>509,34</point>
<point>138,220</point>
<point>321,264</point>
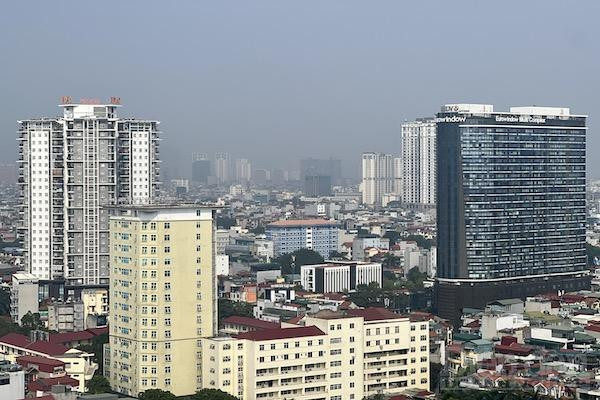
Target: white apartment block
<point>339,276</point>
<point>243,170</point>
<point>330,355</point>
<point>223,167</point>
<point>377,177</point>
<point>418,162</point>
<point>71,166</point>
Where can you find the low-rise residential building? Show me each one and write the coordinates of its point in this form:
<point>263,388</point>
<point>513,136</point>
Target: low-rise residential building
<point>12,381</point>
<point>78,364</point>
<point>340,276</point>
<point>23,296</point>
<point>236,324</point>
<point>334,355</point>
<point>288,236</point>
<point>66,316</point>
<point>95,307</point>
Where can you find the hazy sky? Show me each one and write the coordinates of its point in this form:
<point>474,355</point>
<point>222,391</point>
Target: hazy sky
<point>278,80</point>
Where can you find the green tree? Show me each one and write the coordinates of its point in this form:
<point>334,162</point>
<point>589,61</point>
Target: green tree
<point>31,322</point>
<point>156,394</point>
<point>96,347</point>
<point>592,253</point>
<point>212,394</point>
<point>394,237</point>
<point>367,295</point>
<point>98,384</point>
<point>415,278</point>
<point>291,262</point>
<point>422,241</point>
<point>375,397</point>
<point>4,302</point>
<point>227,308</point>
<point>391,261</point>
<point>225,221</point>
<point>335,254</point>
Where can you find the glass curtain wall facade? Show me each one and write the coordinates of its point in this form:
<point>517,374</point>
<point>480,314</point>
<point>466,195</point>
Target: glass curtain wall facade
<point>511,193</point>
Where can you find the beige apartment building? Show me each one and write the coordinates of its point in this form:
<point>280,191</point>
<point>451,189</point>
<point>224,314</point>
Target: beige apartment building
<point>163,295</point>
<point>332,356</point>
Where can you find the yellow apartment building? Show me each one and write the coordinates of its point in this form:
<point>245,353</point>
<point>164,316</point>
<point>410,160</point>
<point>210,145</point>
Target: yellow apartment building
<point>162,295</point>
<point>333,356</point>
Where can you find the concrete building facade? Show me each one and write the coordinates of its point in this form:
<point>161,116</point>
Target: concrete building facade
<point>288,236</point>
<point>377,177</point>
<point>69,167</point>
<point>339,276</point>
<point>418,162</point>
<point>23,296</point>
<point>330,355</point>
<point>163,296</point>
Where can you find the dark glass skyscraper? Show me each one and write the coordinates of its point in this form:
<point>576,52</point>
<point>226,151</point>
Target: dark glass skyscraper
<point>511,204</point>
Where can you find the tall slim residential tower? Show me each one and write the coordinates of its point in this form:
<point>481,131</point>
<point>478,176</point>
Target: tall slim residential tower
<point>200,168</point>
<point>243,170</point>
<point>418,163</point>
<point>377,177</point>
<point>223,167</point>
<point>163,296</point>
<point>511,204</point>
<point>71,166</point>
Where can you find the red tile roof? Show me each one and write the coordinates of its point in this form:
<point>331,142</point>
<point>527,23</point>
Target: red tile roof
<point>45,384</point>
<point>251,322</point>
<point>593,328</point>
<point>44,364</point>
<point>52,349</point>
<point>281,333</point>
<point>295,320</point>
<point>374,314</point>
<point>515,349</point>
<point>68,337</point>
<point>288,223</point>
<point>15,339</point>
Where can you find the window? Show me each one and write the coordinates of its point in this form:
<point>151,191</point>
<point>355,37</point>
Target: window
<point>167,225</point>
<point>167,238</point>
<point>167,249</point>
<point>152,225</point>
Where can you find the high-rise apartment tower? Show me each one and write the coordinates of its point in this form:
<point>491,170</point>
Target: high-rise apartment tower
<point>71,166</point>
<point>377,177</point>
<point>163,296</point>
<point>418,163</point>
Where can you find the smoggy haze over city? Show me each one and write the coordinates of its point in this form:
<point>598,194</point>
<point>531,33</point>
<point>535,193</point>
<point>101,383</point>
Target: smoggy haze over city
<point>276,81</point>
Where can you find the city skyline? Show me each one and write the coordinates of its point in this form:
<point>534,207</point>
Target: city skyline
<point>352,84</point>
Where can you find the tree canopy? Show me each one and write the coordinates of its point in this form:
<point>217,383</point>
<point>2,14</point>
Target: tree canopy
<point>291,262</point>
<point>96,347</point>
<point>156,394</point>
<point>212,394</point>
<point>227,308</point>
<point>98,384</point>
